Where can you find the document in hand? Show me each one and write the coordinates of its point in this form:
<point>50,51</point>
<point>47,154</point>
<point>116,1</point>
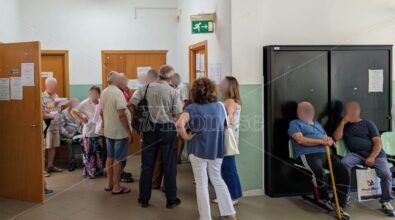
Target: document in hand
<point>62,101</point>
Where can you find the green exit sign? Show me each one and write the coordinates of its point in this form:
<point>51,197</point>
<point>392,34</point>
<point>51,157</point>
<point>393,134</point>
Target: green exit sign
<point>203,27</point>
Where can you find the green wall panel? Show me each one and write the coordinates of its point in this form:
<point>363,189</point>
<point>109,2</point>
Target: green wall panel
<point>249,161</point>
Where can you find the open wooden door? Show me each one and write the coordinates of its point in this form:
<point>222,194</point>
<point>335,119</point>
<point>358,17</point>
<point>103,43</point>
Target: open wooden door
<point>21,148</point>
<point>55,63</point>
<point>126,61</point>
<point>198,61</point>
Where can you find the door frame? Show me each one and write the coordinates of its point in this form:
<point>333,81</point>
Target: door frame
<point>192,60</point>
<point>105,53</point>
<point>65,54</point>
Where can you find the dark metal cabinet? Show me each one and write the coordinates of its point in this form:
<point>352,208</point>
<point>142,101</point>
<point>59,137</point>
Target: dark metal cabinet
<point>326,76</point>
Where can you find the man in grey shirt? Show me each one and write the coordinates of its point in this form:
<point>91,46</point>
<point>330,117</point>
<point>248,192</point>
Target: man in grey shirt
<point>164,106</point>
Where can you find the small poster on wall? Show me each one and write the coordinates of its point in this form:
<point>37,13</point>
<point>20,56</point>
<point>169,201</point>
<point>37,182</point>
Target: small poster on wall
<point>46,74</point>
<point>142,70</point>
<point>16,88</point>
<point>376,80</point>
<point>27,74</point>
<point>4,89</point>
<point>214,72</point>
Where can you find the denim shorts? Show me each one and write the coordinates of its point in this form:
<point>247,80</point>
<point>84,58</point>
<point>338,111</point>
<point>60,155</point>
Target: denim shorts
<point>117,149</point>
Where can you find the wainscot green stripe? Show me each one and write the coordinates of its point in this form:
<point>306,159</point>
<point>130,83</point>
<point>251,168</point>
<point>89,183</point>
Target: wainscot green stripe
<point>249,162</point>
<point>81,90</point>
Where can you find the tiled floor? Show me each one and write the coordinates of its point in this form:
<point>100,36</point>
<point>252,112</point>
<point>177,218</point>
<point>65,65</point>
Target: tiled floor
<point>78,198</point>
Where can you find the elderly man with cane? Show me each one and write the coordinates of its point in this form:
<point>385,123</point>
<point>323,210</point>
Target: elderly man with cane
<point>310,141</point>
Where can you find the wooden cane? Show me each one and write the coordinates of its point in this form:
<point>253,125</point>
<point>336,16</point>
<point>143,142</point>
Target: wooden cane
<point>328,155</point>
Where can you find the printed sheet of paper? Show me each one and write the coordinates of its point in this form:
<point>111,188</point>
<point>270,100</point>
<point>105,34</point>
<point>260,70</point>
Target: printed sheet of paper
<point>46,74</point>
<point>143,70</point>
<point>133,84</point>
<point>4,89</point>
<point>214,72</point>
<point>198,64</point>
<point>376,80</point>
<point>202,63</point>
<point>27,74</point>
<point>16,88</point>
<point>62,101</point>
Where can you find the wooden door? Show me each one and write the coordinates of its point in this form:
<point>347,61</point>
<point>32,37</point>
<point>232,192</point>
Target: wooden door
<point>21,148</point>
<point>198,58</point>
<point>127,62</point>
<point>55,63</point>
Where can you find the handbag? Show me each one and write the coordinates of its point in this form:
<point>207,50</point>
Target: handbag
<point>141,117</point>
<point>230,143</point>
<point>368,184</point>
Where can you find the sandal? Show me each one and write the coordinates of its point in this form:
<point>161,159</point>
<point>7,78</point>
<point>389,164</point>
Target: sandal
<point>46,174</point>
<point>126,179</point>
<point>123,191</point>
<point>108,189</point>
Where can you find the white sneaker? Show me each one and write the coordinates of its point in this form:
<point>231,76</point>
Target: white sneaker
<point>388,209</point>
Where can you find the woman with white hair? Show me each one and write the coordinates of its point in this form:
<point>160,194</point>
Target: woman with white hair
<point>52,117</point>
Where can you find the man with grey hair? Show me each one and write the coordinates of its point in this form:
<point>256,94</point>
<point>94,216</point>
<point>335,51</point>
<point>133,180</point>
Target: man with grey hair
<point>52,118</point>
<point>117,131</point>
<point>164,105</point>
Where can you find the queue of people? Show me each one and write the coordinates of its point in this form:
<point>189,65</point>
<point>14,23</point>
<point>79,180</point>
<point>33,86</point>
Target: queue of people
<point>363,142</point>
<point>104,120</point>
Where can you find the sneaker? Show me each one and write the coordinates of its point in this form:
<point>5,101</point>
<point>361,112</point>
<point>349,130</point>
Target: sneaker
<point>173,204</point>
<point>388,209</point>
<point>344,215</point>
<point>54,169</point>
<point>48,191</point>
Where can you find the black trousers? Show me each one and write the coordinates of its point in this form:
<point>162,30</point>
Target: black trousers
<point>316,164</point>
<point>163,137</point>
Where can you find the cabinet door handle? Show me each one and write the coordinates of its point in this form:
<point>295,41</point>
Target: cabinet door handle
<point>34,126</point>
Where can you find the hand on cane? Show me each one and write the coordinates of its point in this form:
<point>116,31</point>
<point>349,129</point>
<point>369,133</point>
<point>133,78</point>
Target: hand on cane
<point>328,141</point>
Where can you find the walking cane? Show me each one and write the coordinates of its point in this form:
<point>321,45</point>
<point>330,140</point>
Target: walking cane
<point>328,155</point>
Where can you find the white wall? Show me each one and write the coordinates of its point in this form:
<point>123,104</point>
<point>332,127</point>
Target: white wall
<point>256,23</point>
<point>8,20</point>
<point>86,27</point>
<point>219,43</point>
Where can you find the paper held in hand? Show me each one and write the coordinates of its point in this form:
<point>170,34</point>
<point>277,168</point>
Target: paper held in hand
<point>62,101</point>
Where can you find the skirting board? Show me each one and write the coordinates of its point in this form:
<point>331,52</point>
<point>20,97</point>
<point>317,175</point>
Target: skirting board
<point>254,192</point>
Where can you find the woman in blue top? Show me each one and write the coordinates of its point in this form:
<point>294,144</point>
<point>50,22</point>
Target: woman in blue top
<point>206,118</point>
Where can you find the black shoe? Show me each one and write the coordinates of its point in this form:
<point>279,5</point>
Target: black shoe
<point>388,209</point>
<point>48,192</point>
<point>143,204</point>
<point>173,204</point>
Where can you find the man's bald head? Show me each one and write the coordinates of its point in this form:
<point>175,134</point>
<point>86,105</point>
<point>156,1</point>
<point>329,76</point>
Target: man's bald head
<point>306,111</point>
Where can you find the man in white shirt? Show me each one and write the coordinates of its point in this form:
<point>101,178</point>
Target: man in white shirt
<point>117,131</point>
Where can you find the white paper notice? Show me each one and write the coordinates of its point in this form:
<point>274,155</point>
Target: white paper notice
<point>202,63</point>
<point>376,80</point>
<point>199,75</point>
<point>143,70</point>
<point>133,84</point>
<point>62,101</point>
<point>214,72</point>
<point>4,89</point>
<point>46,74</point>
<point>16,88</point>
<point>198,64</point>
<point>27,74</point>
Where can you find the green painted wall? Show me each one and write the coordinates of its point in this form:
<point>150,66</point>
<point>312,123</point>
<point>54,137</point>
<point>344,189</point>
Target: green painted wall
<point>249,161</point>
<point>80,91</point>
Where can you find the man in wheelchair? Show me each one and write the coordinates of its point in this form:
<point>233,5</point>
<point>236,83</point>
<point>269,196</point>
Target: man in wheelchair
<point>309,139</point>
<point>363,141</point>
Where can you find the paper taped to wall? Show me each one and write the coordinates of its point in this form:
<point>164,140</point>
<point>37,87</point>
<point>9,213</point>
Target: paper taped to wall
<point>376,80</point>
<point>16,88</point>
<point>27,74</point>
<point>142,70</point>
<point>133,84</point>
<point>214,72</point>
<point>4,89</point>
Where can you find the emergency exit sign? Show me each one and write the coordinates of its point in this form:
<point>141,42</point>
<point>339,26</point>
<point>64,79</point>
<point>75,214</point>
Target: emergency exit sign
<point>203,27</point>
